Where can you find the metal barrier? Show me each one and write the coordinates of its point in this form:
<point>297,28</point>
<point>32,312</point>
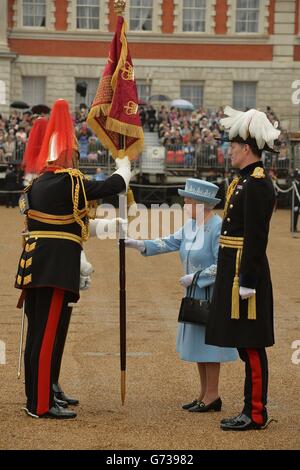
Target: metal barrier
<point>183,158</point>
<point>204,156</point>
<point>193,157</point>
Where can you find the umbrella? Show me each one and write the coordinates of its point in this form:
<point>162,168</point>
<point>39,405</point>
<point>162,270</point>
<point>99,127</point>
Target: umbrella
<point>142,103</point>
<point>159,98</point>
<point>19,105</point>
<point>40,109</point>
<point>183,104</point>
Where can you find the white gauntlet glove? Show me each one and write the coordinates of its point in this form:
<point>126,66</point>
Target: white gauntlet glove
<point>85,282</point>
<point>99,227</point>
<point>135,244</point>
<point>86,269</point>
<point>123,169</point>
<point>246,293</point>
<point>186,280</point>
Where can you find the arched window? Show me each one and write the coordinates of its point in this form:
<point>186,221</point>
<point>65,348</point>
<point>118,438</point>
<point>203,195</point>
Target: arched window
<point>247,16</point>
<point>193,15</point>
<point>34,12</point>
<point>141,15</point>
<point>87,14</point>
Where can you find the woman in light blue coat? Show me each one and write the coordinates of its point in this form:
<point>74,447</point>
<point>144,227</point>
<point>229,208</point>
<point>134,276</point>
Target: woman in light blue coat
<point>198,244</point>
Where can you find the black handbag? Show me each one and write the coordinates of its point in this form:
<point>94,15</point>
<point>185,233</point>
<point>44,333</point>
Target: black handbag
<point>193,310</point>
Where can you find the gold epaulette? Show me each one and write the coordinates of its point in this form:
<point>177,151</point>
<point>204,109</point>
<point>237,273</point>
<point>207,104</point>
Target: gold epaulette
<point>72,172</point>
<point>258,172</point>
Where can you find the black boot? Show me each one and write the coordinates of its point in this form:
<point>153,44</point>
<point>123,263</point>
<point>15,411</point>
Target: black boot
<point>240,423</point>
<point>59,394</point>
<point>61,403</point>
<point>57,412</point>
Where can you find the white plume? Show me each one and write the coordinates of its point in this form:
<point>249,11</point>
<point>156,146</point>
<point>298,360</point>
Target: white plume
<point>251,122</point>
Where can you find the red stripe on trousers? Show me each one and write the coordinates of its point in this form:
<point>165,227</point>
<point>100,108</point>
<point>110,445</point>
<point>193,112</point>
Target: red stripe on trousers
<point>256,373</point>
<point>45,358</point>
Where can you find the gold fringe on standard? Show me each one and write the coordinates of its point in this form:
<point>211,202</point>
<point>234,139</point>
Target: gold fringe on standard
<point>97,110</point>
<point>125,129</point>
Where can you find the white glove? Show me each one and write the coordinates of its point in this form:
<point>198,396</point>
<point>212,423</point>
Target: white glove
<point>135,244</point>
<point>99,227</point>
<point>86,269</point>
<point>246,293</point>
<point>186,280</point>
<point>123,169</point>
<point>85,282</point>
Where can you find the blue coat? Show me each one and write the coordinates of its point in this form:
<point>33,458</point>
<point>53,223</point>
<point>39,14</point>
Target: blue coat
<point>197,252</point>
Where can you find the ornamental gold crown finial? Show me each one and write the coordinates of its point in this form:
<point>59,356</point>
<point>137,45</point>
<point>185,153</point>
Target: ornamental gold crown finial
<point>119,6</point>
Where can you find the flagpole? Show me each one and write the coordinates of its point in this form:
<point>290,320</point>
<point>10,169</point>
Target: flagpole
<point>122,274</point>
<point>118,127</point>
<point>119,8</point>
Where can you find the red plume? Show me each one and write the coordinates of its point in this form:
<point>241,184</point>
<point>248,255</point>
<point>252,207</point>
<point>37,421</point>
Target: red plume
<point>60,125</point>
<point>34,144</point>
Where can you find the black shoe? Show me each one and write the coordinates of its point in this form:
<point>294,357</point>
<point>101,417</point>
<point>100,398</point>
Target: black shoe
<point>227,420</point>
<point>240,423</point>
<point>58,392</point>
<point>201,407</point>
<point>61,403</point>
<point>56,412</point>
<point>189,405</point>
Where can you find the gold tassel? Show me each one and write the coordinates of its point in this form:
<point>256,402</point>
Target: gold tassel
<point>130,198</point>
<point>252,307</point>
<point>235,294</point>
<point>235,299</point>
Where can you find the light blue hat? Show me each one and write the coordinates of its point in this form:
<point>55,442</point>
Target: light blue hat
<point>200,190</point>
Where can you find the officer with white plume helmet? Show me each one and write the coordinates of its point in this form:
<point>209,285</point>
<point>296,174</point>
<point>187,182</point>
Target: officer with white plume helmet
<point>242,306</point>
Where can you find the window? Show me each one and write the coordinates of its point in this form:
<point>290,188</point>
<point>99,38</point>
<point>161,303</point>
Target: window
<point>88,12</point>
<point>86,89</point>
<point>193,92</point>
<point>244,95</point>
<point>141,13</point>
<point>34,12</point>
<point>2,92</point>
<point>193,15</point>
<point>34,90</point>
<point>247,16</point>
<point>144,90</point>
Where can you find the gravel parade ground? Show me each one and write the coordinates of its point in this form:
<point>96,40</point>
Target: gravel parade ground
<point>157,381</point>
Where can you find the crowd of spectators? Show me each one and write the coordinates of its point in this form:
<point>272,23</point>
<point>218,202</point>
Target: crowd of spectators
<point>184,132</point>
<point>187,135</point>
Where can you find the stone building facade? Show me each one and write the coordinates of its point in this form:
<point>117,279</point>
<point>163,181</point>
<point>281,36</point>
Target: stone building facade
<point>212,52</point>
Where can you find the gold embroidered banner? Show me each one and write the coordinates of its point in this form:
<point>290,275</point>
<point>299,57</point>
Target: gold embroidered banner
<point>115,107</point>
